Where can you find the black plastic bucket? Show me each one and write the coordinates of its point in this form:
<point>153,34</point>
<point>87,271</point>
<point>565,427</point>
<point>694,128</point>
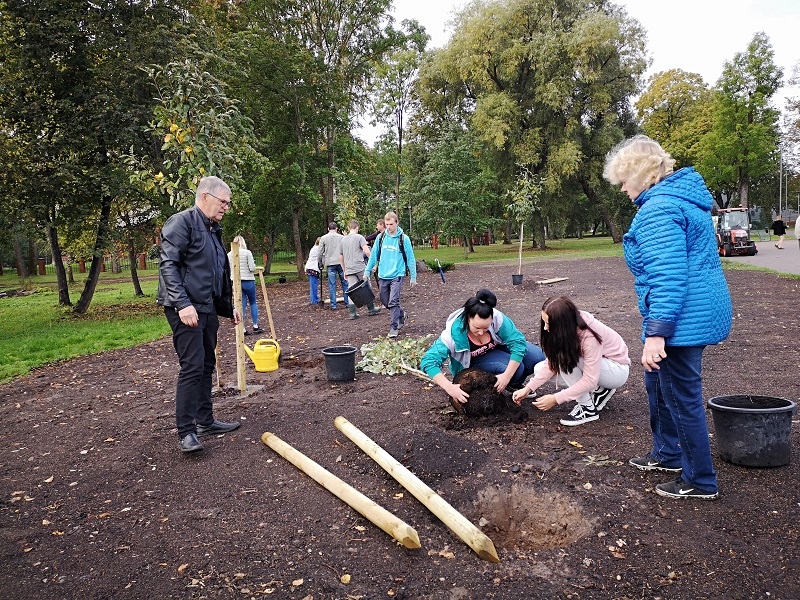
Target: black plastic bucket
<point>753,431</point>
<point>360,293</point>
<point>516,279</point>
<point>340,363</point>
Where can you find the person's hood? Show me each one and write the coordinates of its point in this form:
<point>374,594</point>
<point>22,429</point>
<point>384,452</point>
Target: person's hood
<point>685,184</point>
<point>397,234</point>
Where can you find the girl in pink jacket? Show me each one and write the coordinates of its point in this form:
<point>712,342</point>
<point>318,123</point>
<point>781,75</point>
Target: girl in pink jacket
<point>583,354</point>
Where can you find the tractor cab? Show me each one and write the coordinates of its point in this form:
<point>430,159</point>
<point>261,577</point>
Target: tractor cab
<point>733,233</point>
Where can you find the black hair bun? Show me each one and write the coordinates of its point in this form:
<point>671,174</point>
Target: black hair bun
<point>487,297</point>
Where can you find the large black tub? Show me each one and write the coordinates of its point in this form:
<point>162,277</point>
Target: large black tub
<point>753,431</point>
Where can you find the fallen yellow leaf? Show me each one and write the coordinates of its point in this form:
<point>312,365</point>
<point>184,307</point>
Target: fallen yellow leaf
<point>345,579</point>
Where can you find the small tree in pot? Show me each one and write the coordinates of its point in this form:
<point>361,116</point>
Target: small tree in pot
<point>524,198</point>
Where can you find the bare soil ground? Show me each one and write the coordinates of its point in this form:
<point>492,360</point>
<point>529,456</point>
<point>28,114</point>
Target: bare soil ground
<point>96,501</point>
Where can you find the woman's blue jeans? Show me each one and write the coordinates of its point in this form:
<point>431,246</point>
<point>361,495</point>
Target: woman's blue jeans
<point>249,295</point>
<point>678,416</point>
<point>495,361</point>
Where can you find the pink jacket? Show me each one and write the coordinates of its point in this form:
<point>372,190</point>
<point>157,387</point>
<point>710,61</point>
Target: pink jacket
<point>612,348</point>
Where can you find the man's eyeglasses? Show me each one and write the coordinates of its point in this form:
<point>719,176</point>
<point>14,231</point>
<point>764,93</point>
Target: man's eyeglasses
<point>225,203</point>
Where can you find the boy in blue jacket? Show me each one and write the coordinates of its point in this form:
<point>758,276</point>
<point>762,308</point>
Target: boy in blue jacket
<point>394,256</point>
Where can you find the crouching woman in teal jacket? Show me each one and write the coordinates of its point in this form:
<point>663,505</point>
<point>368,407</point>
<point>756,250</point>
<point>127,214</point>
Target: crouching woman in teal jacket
<point>480,336</point>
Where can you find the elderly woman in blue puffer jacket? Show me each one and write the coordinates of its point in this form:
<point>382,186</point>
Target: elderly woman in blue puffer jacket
<point>671,249</point>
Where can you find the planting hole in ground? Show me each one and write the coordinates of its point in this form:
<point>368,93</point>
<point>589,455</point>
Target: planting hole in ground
<point>524,518</point>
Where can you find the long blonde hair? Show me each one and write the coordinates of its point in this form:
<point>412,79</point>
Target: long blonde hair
<point>240,240</point>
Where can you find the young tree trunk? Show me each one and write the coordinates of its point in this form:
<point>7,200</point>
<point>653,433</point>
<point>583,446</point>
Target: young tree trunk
<point>542,235</point>
<point>137,288</point>
<point>70,274</point>
<point>32,256</point>
<point>594,198</point>
<point>744,191</point>
<point>21,262</point>
<point>97,257</point>
<point>298,244</point>
<point>61,275</point>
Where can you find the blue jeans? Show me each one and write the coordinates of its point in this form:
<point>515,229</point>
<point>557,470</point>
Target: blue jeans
<point>495,361</point>
<point>313,288</point>
<point>335,271</point>
<point>678,416</point>
<point>249,295</point>
<point>195,348</point>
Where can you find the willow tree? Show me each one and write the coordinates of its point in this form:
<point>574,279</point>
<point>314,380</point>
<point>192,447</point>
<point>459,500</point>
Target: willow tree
<point>676,109</point>
<point>535,74</point>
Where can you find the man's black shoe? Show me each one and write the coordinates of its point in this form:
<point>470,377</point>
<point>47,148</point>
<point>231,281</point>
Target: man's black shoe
<point>190,443</point>
<point>216,427</point>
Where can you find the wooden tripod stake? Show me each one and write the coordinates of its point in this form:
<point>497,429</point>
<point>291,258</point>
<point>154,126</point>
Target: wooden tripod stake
<point>458,524</point>
<point>399,530</point>
<point>266,302</point>
<point>241,361</point>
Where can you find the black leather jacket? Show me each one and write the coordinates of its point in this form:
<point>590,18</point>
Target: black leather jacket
<point>189,271</point>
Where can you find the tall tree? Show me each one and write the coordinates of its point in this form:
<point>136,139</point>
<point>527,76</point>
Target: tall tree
<point>534,73</point>
<point>742,145</point>
<point>395,85</point>
<point>676,109</point>
<point>454,189</point>
<point>75,98</point>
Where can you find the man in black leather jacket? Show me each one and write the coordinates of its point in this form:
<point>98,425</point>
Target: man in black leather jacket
<point>194,287</point>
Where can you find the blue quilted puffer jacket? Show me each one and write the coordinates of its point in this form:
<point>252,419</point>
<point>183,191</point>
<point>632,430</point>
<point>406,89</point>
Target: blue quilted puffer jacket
<point>671,249</point>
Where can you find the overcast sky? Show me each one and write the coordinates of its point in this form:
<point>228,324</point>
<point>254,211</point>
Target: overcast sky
<point>694,35</point>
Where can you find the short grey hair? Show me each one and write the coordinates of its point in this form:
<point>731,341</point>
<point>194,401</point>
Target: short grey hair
<point>211,185</point>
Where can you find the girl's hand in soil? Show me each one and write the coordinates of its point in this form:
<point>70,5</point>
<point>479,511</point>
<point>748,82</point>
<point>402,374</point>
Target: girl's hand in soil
<point>502,381</point>
<point>456,392</point>
<point>545,402</point>
<point>519,395</point>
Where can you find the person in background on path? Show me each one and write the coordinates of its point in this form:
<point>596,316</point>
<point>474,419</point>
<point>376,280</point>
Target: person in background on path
<point>330,249</point>
<point>583,354</point>
<point>394,256</point>
<point>247,268</point>
<point>312,271</point>
<point>480,336</point>
<point>779,229</point>
<point>194,287</point>
<point>354,248</point>
<point>671,250</point>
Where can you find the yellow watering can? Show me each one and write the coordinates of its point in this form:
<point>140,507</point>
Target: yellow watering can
<point>264,355</point>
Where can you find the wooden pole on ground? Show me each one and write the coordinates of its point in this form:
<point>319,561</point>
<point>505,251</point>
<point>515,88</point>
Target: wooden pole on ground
<point>241,361</point>
<point>458,524</point>
<point>399,530</point>
<point>266,302</point>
